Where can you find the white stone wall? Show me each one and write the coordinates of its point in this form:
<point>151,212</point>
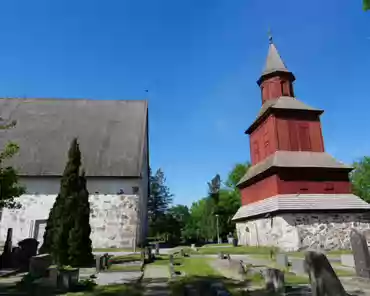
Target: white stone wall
<point>113,218</point>
<point>274,231</point>
<point>292,232</point>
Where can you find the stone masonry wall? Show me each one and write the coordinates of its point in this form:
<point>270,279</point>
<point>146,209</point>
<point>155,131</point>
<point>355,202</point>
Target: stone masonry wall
<point>292,232</point>
<point>113,219</point>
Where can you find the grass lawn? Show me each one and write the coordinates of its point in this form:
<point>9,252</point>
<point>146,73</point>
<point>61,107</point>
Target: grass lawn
<point>121,268</point>
<point>113,250</point>
<point>111,290</point>
<point>233,250</point>
<point>125,258</point>
<point>196,267</point>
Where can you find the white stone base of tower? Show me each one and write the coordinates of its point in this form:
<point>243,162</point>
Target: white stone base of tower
<point>323,223</point>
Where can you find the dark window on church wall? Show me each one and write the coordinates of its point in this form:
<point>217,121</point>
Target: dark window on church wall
<point>282,86</point>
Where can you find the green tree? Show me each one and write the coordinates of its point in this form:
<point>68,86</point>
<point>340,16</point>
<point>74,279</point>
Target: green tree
<point>366,4</point>
<point>61,218</point>
<point>9,181</point>
<point>159,201</point>
<point>360,178</point>
<point>79,242</point>
<point>236,174</point>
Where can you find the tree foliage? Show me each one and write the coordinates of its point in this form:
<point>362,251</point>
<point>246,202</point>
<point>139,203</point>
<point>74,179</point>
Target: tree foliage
<point>9,181</point>
<point>79,242</point>
<point>360,178</point>
<point>159,201</point>
<point>366,4</point>
<point>69,216</point>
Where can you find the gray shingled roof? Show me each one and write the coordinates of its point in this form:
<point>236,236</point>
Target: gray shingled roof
<point>111,134</point>
<point>284,102</point>
<point>273,62</point>
<point>297,159</point>
<point>303,202</point>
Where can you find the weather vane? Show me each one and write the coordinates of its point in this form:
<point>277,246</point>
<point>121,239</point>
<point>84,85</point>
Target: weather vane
<point>269,33</point>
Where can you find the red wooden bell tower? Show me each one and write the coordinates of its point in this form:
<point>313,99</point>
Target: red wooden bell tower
<point>286,143</point>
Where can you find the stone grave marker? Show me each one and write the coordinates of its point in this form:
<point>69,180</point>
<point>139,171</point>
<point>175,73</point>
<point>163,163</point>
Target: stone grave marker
<point>171,259</point>
<point>182,253</point>
<point>241,270</point>
<point>360,254</point>
<point>298,266</point>
<point>98,262</point>
<point>172,269</point>
<point>274,280</point>
<point>39,265</point>
<point>282,260</point>
<point>157,249</point>
<point>323,280</point>
<point>6,257</point>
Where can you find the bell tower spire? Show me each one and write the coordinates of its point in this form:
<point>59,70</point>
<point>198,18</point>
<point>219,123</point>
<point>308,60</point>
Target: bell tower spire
<point>276,80</point>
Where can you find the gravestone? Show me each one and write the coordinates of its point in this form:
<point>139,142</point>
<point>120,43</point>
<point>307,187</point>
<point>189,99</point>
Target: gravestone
<point>171,259</point>
<point>323,280</point>
<point>157,249</point>
<point>182,253</point>
<point>6,256</point>
<point>28,249</point>
<point>298,266</point>
<point>172,270</point>
<point>360,254</point>
<point>98,263</point>
<point>274,280</point>
<point>39,265</point>
<point>230,238</point>
<point>282,260</point>
<point>149,254</point>
<point>241,270</point>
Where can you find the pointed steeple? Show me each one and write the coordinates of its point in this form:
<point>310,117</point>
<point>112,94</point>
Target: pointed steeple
<point>276,80</point>
<point>273,62</point>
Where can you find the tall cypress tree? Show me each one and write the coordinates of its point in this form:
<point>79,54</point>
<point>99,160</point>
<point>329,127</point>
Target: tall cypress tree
<point>80,247</point>
<point>60,220</point>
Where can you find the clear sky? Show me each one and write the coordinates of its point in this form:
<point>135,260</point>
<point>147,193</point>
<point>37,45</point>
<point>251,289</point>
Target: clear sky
<point>200,60</point>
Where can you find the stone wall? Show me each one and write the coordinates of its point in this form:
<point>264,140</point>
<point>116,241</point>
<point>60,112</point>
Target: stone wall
<point>113,219</point>
<point>293,232</point>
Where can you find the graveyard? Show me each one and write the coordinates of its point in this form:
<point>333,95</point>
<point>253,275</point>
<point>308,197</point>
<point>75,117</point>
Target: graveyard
<point>188,270</point>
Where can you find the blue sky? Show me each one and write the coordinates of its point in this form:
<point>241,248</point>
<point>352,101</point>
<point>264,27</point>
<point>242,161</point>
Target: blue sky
<point>200,60</point>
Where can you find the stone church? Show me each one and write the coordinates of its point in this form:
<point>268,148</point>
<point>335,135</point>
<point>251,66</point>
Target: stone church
<point>113,138</point>
<point>295,196</point>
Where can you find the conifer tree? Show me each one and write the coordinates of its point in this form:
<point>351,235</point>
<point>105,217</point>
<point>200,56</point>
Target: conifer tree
<point>79,242</point>
<point>60,220</point>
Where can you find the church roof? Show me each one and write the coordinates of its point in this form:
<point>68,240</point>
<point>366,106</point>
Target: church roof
<point>287,103</point>
<point>274,62</point>
<point>296,159</point>
<point>111,133</point>
<point>302,202</point>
